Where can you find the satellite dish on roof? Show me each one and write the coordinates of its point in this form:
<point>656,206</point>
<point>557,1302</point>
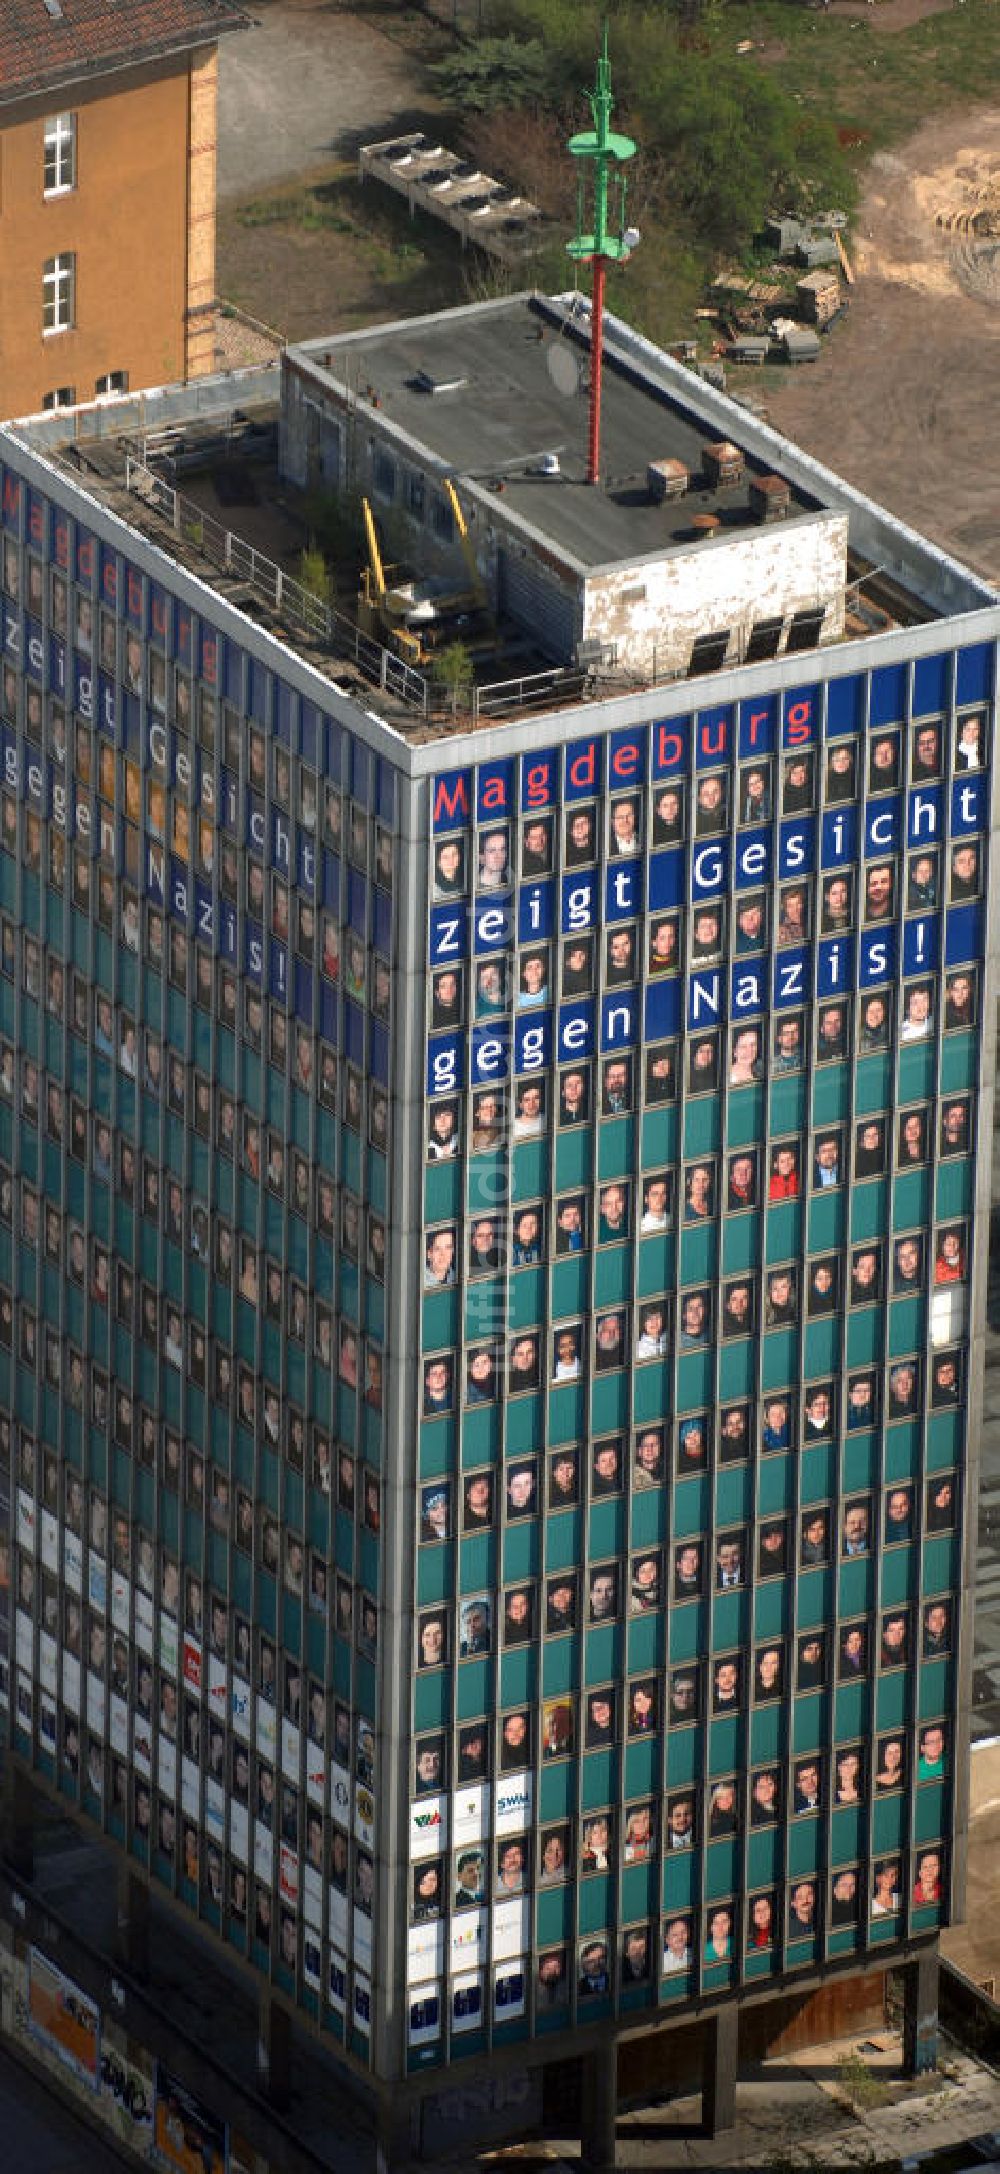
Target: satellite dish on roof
<point>563,368</point>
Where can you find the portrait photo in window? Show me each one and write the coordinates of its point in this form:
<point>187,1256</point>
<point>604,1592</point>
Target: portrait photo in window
<point>536,847</point>
<point>755,793</point>
<point>648,1469</point>
<point>752,923</point>
<point>564,1479</point>
<point>711,804</point>
<point>772,1548</point>
<point>741,1181</point>
<point>739,1309</point>
<point>521,1489</point>
<point>693,1443</point>
<point>577,970</point>
<point>575,1095</point>
<point>580,842</point>
<point>703,1064</point>
<point>736,1433</point>
<point>621,957</point>
<point>489,1116</point>
<point>789,1043</point>
<point>961,992</point>
<point>668,815</point>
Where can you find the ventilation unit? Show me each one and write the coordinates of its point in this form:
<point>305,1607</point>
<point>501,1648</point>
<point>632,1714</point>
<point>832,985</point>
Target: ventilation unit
<point>725,464</point>
<point>770,498</point>
<point>667,479</point>
<point>426,382</point>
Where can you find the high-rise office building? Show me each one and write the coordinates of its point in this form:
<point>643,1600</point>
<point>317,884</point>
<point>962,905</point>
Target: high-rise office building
<point>492,1246</point>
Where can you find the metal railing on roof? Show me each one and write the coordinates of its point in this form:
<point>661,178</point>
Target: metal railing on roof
<point>297,608</point>
<point>277,590</point>
<point>527,691</point>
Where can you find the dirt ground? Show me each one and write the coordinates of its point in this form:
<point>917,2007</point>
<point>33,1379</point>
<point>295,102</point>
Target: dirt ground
<point>327,256</point>
<point>904,398</point>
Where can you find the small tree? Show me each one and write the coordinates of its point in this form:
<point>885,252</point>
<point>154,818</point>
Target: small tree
<point>495,72</point>
<point>451,673</point>
<point>862,2086</point>
<point>313,576</point>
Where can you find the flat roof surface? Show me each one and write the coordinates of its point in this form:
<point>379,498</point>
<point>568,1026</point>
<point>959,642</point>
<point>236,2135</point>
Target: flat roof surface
<point>522,391</point>
<point>42,45</point>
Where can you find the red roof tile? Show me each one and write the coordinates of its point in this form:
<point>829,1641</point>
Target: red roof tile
<point>42,46</point>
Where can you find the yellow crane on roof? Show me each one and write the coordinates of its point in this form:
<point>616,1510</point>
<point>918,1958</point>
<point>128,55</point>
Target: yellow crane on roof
<point>382,610</point>
<point>374,554</point>
<point>416,616</point>
<point>468,551</point>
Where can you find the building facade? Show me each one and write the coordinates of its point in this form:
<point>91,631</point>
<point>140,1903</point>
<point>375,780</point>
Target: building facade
<point>106,124</point>
<point>491,1290</point>
<point>698,1209</point>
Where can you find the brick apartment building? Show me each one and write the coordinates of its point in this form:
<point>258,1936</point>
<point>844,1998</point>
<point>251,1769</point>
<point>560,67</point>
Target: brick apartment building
<point>107,195</point>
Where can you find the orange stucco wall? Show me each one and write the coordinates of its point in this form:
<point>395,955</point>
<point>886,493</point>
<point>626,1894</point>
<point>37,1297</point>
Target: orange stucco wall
<point>128,220</point>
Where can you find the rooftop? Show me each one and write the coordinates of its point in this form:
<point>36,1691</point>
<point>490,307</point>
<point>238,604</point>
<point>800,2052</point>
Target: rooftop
<point>48,42</point>
<point>489,393</point>
<point>222,477</point>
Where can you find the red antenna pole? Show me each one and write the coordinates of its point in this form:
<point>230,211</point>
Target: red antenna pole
<point>596,350</point>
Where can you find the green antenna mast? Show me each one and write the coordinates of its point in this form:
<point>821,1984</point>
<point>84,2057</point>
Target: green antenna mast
<point>605,150</point>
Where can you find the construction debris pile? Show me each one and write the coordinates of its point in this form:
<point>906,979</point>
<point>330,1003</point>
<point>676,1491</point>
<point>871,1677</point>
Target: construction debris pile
<point>772,319</point>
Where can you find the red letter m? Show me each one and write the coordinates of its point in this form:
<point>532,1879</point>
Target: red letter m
<point>451,800</point>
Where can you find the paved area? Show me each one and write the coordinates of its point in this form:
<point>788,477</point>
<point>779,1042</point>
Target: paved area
<point>309,84</point>
<point>798,2112</point>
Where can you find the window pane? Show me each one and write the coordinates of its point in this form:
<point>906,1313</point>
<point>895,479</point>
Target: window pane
<point>60,152</point>
<point>58,283</point>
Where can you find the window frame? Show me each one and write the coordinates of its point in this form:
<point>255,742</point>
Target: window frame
<point>59,293</point>
<point>59,148</point>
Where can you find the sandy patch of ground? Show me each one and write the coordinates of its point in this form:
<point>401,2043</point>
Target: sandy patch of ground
<point>932,224</point>
<point>903,399</point>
